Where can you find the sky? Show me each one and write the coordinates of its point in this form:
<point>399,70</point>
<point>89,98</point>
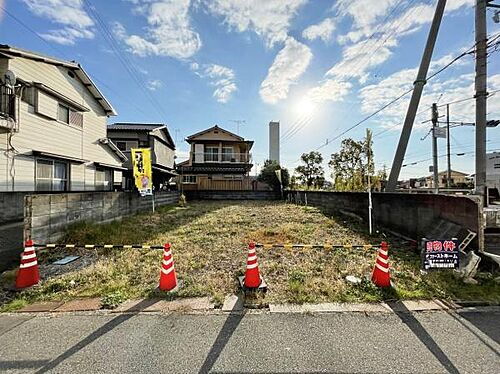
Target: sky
<point>317,66</point>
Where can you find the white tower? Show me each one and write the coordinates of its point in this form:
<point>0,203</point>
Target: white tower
<point>274,141</point>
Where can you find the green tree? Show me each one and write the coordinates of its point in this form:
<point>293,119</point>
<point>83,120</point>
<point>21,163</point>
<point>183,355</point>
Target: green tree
<point>352,165</point>
<point>268,175</point>
<point>311,173</point>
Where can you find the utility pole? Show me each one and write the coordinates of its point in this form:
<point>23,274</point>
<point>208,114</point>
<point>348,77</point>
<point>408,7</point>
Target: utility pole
<point>415,97</point>
<point>435,116</point>
<point>448,156</point>
<point>369,161</point>
<point>481,93</point>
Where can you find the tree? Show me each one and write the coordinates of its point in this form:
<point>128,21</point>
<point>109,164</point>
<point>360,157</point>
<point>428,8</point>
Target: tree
<point>311,173</point>
<point>268,175</point>
<point>352,165</point>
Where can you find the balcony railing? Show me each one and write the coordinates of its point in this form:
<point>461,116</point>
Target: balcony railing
<point>7,102</point>
<point>222,158</point>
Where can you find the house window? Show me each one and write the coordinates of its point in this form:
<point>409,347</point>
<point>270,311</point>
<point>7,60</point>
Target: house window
<point>227,154</point>
<point>63,113</point>
<point>28,95</point>
<point>122,146</point>
<point>143,144</point>
<point>75,118</point>
<point>51,175</point>
<point>103,179</point>
<point>189,179</point>
<point>211,154</point>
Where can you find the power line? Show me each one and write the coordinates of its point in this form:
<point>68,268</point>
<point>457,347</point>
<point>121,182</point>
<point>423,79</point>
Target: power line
<point>300,124</point>
<point>62,53</point>
<point>124,60</point>
<point>394,100</point>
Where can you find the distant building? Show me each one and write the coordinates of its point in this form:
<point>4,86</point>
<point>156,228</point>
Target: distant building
<point>274,141</point>
<point>458,179</point>
<point>146,135</point>
<point>493,170</point>
<point>218,160</point>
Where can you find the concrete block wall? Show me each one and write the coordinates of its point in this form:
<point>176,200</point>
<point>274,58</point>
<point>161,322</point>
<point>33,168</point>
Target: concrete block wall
<point>232,195</point>
<point>47,216</point>
<point>408,214</point>
<point>11,206</point>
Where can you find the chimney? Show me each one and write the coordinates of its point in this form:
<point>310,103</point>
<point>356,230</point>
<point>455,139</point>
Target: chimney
<point>274,141</point>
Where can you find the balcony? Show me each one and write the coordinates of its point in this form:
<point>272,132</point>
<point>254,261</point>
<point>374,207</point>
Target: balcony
<point>7,104</point>
<point>223,158</point>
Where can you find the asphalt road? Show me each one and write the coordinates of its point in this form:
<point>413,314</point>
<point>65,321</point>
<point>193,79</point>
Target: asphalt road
<point>432,342</point>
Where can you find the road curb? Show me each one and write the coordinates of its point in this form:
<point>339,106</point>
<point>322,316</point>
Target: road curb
<point>235,304</point>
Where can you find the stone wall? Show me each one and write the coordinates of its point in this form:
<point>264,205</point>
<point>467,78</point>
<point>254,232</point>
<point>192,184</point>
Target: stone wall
<point>231,195</point>
<point>47,215</point>
<point>408,214</point>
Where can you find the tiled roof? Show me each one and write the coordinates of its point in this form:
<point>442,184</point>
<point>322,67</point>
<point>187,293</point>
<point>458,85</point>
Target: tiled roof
<point>135,126</point>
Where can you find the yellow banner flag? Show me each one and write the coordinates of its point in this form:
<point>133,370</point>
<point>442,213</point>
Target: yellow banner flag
<point>143,176</point>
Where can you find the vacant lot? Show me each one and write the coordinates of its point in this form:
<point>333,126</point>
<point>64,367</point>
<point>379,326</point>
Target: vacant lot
<point>209,241</point>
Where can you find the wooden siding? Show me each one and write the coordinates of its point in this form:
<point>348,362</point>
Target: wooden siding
<point>40,133</point>
<point>203,183</point>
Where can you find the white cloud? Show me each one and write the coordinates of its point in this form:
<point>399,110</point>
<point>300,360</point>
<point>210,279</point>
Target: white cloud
<point>357,59</point>
<point>69,13</point>
<point>409,19</point>
<point>270,19</point>
<point>444,89</point>
<point>169,31</point>
<point>322,30</point>
<point>371,42</point>
<point>329,90</point>
<point>288,66</point>
<point>221,77</point>
<point>154,84</point>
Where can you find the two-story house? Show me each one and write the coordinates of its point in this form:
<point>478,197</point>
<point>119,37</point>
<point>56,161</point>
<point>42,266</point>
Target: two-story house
<point>218,160</point>
<point>146,135</point>
<point>53,127</point>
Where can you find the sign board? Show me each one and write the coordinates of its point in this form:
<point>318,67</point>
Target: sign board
<point>431,168</point>
<point>440,254</point>
<point>440,132</point>
<point>143,176</point>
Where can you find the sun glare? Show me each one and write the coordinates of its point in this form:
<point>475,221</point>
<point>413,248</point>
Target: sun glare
<point>305,107</point>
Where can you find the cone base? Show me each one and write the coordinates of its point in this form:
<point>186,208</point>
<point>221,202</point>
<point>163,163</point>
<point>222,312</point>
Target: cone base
<point>262,287</point>
<point>180,284</point>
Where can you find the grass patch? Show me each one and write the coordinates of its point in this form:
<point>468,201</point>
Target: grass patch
<point>209,243</point>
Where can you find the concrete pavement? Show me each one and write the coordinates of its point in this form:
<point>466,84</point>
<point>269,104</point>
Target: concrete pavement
<point>248,342</point>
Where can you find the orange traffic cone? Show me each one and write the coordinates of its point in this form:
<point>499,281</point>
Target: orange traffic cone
<point>380,275</point>
<point>168,279</point>
<point>28,274</point>
<point>252,275</point>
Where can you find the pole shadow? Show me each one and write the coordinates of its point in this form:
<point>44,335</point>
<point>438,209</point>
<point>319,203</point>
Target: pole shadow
<point>416,327</point>
<point>230,325</point>
<point>96,335</point>
<point>22,364</point>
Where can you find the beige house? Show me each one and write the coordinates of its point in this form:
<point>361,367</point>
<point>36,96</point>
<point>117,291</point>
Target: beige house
<point>458,179</point>
<point>53,127</point>
<point>155,136</point>
<point>218,160</point>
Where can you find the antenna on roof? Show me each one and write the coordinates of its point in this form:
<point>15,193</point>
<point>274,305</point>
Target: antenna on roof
<point>238,123</point>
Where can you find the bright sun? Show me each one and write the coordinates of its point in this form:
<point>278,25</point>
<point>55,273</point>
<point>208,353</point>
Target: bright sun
<point>304,107</point>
